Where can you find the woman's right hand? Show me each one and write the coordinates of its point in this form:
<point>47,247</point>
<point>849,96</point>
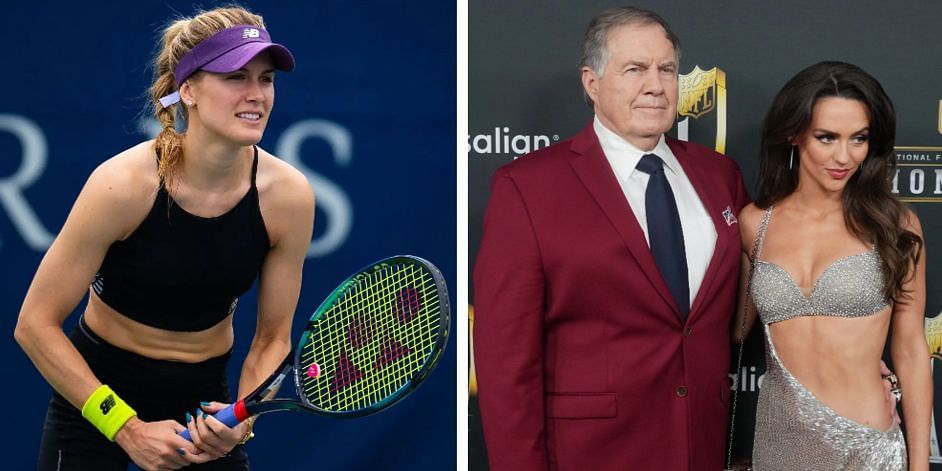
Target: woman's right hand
<point>158,445</point>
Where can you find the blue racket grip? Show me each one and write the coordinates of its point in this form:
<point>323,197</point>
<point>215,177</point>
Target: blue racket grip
<point>226,416</point>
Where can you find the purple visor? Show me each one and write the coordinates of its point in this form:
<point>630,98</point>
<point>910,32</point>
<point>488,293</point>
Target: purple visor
<point>229,50</point>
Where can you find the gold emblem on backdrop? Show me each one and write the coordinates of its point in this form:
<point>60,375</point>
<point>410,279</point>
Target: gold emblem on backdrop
<point>703,92</point>
<point>698,91</point>
<point>934,339</point>
<point>934,336</point>
<point>472,377</point>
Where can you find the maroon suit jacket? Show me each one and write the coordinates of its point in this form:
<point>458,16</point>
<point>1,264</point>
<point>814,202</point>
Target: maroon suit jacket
<point>582,361</point>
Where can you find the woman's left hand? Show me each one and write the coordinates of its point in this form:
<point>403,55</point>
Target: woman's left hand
<point>212,436</point>
<point>888,385</point>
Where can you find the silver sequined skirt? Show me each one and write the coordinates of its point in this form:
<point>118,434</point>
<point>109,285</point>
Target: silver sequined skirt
<point>795,431</point>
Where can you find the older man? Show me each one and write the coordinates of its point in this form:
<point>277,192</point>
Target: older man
<point>607,277</point>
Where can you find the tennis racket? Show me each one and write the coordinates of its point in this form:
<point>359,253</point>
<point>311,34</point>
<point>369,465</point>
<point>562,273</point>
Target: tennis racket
<point>373,341</point>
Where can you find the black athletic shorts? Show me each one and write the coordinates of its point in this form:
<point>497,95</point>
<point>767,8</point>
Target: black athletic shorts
<point>156,389</point>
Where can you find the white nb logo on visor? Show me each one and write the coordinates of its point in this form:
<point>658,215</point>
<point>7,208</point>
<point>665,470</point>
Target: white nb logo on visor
<point>249,33</point>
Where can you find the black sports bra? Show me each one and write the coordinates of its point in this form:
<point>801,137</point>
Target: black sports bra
<point>182,272</point>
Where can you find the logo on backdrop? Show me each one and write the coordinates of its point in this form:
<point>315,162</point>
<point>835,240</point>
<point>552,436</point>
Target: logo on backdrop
<point>934,339</point>
<point>331,198</point>
<point>703,95</point>
<point>752,377</point>
<point>501,142</point>
<point>918,176</point>
<point>32,165</point>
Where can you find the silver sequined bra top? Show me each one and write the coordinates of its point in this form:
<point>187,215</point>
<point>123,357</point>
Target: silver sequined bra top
<point>851,286</point>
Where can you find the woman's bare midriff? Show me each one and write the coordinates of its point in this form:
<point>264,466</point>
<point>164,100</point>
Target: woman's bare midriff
<point>838,360</point>
<point>159,344</point>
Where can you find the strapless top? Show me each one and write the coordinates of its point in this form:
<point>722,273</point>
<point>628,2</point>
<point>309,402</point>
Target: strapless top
<point>851,286</point>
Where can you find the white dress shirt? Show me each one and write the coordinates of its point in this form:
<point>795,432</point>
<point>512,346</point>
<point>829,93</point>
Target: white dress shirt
<point>699,233</point>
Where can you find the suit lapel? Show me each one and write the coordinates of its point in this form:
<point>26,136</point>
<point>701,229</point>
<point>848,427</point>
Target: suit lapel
<point>714,207</point>
<point>593,169</point>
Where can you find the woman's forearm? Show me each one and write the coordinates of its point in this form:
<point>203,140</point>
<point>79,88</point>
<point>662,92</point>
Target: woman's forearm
<point>265,354</point>
<point>57,360</point>
<point>915,377</point>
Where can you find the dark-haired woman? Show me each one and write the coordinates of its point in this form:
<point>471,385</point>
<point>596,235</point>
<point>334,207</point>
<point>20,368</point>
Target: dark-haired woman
<point>836,260</point>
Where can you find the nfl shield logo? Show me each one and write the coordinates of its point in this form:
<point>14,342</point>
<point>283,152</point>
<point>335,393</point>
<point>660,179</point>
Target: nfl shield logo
<point>698,92</point>
<point>702,94</point>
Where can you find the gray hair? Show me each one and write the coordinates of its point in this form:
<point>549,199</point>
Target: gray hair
<point>595,53</point>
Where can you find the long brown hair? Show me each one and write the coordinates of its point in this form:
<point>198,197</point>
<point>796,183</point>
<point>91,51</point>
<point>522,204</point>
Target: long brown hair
<point>177,39</point>
<point>871,210</point>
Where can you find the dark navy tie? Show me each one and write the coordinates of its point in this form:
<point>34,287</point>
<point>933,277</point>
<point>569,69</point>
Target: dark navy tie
<point>664,231</point>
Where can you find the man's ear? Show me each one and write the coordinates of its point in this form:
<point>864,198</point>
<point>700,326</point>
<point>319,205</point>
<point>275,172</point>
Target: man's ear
<point>590,83</point>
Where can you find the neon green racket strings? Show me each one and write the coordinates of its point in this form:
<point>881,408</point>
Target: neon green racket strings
<point>372,340</point>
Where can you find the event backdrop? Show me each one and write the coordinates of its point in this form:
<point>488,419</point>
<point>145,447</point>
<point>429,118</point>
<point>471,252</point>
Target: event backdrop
<point>368,116</point>
<point>524,94</point>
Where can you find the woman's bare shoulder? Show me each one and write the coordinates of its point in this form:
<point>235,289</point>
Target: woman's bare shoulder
<point>749,220</point>
<point>123,187</point>
<point>285,197</point>
<point>128,174</point>
<point>751,214</point>
<point>116,197</point>
<point>279,180</point>
<point>750,217</point>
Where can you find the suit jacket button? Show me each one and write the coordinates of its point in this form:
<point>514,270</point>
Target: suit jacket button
<point>688,331</point>
<point>682,391</point>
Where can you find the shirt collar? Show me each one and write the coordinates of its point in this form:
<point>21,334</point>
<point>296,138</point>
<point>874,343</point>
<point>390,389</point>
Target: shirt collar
<point>624,154</point>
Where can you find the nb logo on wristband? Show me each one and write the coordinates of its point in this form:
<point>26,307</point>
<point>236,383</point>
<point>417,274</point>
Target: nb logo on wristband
<point>107,404</point>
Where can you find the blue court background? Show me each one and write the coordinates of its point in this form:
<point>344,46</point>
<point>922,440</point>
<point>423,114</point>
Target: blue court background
<point>379,74</point>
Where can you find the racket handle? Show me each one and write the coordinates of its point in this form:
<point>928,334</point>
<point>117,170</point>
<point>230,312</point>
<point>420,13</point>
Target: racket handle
<point>231,416</point>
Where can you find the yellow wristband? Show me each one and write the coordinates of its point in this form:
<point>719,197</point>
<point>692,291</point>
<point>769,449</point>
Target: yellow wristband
<point>106,411</point>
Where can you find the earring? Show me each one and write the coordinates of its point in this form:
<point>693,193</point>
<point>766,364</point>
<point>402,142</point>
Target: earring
<point>791,158</point>
<point>189,102</point>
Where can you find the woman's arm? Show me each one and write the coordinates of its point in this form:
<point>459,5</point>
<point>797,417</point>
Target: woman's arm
<point>109,207</point>
<point>745,310</point>
<point>60,283</point>
<point>289,218</point>
<point>911,359</point>
<point>280,281</point>
<point>745,313</point>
